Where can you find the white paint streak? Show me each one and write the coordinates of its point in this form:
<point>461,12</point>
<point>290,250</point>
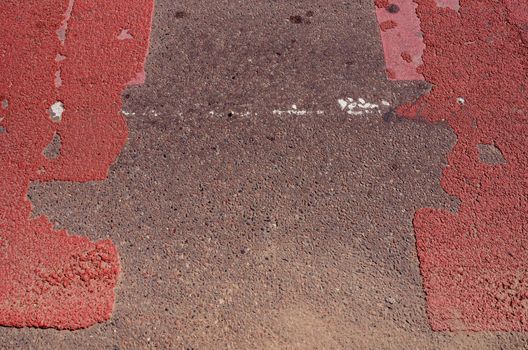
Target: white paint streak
<point>59,58</point>
<point>124,35</point>
<point>360,106</point>
<point>293,111</point>
<point>154,113</point>
<point>246,114</point>
<point>231,114</point>
<point>61,32</point>
<point>58,79</point>
<point>56,111</point>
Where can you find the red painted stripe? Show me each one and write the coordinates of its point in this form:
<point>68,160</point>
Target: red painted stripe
<point>475,262</point>
<point>49,278</point>
<point>401,38</point>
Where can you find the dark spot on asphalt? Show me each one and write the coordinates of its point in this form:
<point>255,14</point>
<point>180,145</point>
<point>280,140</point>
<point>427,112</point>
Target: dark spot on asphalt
<point>296,19</point>
<point>180,14</point>
<point>393,8</point>
<point>230,114</point>
<point>309,13</point>
<point>389,116</point>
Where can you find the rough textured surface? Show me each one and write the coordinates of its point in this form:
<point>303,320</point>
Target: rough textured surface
<point>474,262</point>
<point>401,37</point>
<point>61,75</point>
<point>247,228</point>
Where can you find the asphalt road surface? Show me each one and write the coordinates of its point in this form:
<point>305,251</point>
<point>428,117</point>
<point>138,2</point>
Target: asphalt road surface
<point>249,208</point>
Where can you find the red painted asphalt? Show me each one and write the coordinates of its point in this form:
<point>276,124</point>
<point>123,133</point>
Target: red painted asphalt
<point>401,37</point>
<point>49,278</point>
<point>474,262</point>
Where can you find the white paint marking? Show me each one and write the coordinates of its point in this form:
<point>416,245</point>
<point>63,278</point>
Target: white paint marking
<point>293,111</point>
<point>124,35</point>
<point>61,32</point>
<point>58,79</point>
<point>296,111</point>
<point>59,58</point>
<point>56,111</point>
<point>360,106</point>
<point>452,4</point>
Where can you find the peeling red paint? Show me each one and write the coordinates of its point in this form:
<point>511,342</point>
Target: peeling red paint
<point>475,262</point>
<point>381,3</point>
<point>452,4</point>
<point>384,26</point>
<point>406,56</point>
<point>49,278</point>
<point>400,32</point>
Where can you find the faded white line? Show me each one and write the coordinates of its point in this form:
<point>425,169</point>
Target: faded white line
<point>296,111</point>
<point>360,106</point>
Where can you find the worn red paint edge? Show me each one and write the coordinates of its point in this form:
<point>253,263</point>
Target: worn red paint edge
<point>401,38</point>
<point>474,262</point>
<point>49,278</point>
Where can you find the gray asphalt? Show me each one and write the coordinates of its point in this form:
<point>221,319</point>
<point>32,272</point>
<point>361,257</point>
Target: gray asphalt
<point>251,210</point>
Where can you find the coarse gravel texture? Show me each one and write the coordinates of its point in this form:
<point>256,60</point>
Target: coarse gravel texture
<point>240,228</point>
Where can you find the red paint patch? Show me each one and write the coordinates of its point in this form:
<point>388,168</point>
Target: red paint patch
<point>390,74</point>
<point>518,15</point>
<point>381,3</point>
<point>475,262</point>
<point>388,25</point>
<point>49,278</point>
<point>404,36</point>
<point>406,57</point>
